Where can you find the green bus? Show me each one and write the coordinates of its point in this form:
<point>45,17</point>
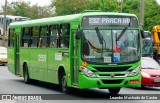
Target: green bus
<point>91,49</point>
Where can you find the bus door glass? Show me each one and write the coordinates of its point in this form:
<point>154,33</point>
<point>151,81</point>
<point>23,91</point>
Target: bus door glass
<point>147,44</point>
<point>17,43</point>
<point>75,58</point>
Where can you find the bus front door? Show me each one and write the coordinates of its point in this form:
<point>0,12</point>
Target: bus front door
<point>75,60</point>
<point>16,51</point>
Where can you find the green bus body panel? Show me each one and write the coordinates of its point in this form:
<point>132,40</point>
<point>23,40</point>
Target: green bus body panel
<point>11,63</point>
<point>44,63</point>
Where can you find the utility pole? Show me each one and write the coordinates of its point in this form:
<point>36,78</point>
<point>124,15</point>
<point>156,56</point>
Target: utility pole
<point>121,5</point>
<point>103,5</point>
<point>142,13</point>
<point>4,27</point>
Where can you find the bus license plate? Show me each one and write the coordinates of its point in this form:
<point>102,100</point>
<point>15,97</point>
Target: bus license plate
<point>157,80</point>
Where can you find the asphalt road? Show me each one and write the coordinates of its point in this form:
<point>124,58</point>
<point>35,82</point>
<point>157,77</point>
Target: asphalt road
<point>50,93</point>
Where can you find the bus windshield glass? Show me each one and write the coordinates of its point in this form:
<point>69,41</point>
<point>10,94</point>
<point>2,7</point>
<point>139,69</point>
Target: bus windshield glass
<point>116,46</point>
<point>147,44</point>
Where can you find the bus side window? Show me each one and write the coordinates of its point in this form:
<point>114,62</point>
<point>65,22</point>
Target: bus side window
<point>11,38</point>
<point>43,36</point>
<point>53,36</point>
<point>40,42</point>
<point>34,36</point>
<point>25,36</point>
<point>64,35</point>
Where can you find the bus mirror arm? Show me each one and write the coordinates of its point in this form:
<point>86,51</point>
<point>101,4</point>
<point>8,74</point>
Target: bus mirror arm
<point>78,34</point>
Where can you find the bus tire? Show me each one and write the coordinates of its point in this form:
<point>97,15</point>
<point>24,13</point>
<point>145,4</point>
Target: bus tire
<point>114,91</point>
<point>64,87</point>
<point>26,75</point>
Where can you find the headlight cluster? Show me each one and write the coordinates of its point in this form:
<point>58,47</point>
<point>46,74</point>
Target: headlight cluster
<point>87,72</point>
<point>135,71</point>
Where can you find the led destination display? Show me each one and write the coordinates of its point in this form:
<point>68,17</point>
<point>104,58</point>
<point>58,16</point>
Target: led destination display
<point>109,20</point>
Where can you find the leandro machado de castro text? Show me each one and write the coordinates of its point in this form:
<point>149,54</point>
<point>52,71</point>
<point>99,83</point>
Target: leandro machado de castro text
<point>140,97</point>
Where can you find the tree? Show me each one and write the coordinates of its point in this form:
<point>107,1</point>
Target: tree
<point>64,7</point>
<point>151,14</point>
<point>27,10</point>
<point>40,12</point>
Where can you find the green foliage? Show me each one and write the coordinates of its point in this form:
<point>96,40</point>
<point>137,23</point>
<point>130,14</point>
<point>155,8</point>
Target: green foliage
<point>152,14</point>
<point>25,9</point>
<point>64,7</point>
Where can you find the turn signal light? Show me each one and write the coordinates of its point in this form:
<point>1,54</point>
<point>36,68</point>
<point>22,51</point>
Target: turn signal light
<point>84,63</point>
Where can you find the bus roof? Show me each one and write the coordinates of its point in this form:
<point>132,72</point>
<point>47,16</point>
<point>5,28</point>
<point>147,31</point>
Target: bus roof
<point>15,17</point>
<point>65,18</point>
<point>12,17</point>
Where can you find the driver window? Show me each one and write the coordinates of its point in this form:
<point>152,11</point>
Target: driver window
<point>86,49</point>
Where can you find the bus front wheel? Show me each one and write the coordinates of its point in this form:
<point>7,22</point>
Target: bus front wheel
<point>26,75</point>
<point>65,89</point>
<point>114,91</point>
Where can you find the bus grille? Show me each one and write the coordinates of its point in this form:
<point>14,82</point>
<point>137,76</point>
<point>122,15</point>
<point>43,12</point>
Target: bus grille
<point>112,81</point>
<point>111,69</point>
<point>155,76</point>
<point>110,74</point>
<point>152,82</point>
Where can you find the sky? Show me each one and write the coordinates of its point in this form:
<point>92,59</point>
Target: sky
<point>158,1</point>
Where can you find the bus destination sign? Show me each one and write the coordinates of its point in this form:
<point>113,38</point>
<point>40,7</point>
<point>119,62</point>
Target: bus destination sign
<point>109,20</point>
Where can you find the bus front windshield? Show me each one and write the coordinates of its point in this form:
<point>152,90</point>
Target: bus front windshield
<point>110,46</point>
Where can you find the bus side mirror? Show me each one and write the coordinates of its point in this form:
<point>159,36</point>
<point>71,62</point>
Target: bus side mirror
<point>78,34</point>
<point>142,34</point>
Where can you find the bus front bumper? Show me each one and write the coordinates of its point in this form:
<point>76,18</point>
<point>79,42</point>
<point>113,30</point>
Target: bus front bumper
<point>104,83</point>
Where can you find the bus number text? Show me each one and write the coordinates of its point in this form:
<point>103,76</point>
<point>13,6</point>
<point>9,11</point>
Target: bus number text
<point>42,57</point>
<point>93,20</point>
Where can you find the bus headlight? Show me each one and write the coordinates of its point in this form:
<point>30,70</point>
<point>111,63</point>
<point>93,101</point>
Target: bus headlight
<point>87,72</point>
<point>135,71</point>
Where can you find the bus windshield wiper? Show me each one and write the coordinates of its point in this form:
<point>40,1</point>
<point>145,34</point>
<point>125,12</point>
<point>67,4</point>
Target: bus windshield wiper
<point>100,37</point>
<point>122,33</point>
